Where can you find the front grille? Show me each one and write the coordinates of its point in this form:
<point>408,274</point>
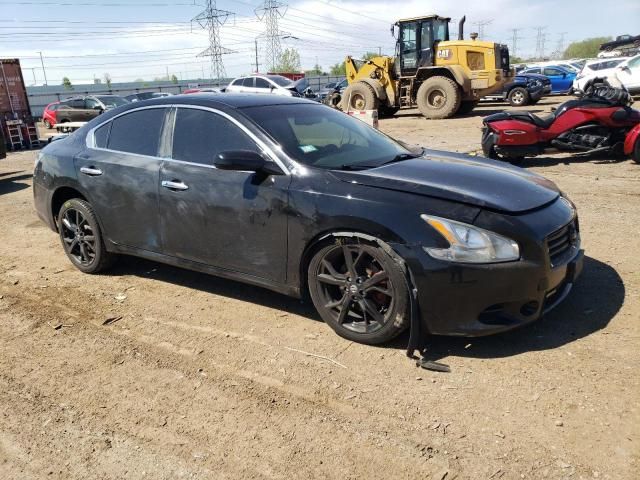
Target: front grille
<point>560,242</point>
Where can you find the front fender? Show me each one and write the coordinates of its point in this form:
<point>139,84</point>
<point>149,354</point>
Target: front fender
<point>630,139</point>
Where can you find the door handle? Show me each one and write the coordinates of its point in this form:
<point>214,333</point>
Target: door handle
<point>174,185</point>
<point>91,171</point>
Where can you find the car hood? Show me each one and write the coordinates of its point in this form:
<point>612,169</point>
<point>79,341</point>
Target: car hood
<point>461,178</point>
<point>534,76</point>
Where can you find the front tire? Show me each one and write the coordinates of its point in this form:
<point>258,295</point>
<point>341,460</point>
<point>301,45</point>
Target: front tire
<point>359,96</point>
<point>81,237</point>
<point>438,97</point>
<point>518,97</point>
<point>47,124</point>
<point>359,291</point>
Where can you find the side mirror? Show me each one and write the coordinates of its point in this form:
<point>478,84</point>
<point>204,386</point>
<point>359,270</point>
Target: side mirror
<point>245,161</point>
<point>99,108</point>
<point>564,75</point>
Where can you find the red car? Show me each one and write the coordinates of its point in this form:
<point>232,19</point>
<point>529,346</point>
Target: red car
<point>49,115</point>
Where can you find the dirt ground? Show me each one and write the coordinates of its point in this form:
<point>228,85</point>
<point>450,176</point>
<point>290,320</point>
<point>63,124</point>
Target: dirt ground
<point>197,377</point>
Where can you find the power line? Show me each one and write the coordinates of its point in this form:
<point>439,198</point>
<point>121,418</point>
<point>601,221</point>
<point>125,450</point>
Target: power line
<point>514,41</point>
<point>270,12</point>
<point>560,45</point>
<point>213,19</point>
<point>541,38</point>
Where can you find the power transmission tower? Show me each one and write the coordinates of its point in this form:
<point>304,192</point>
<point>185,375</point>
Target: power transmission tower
<point>481,24</point>
<point>271,11</point>
<point>541,38</point>
<point>560,45</point>
<point>514,42</point>
<point>212,19</point>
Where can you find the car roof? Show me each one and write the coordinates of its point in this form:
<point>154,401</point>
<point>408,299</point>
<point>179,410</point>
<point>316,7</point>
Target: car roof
<point>603,60</point>
<point>227,100</point>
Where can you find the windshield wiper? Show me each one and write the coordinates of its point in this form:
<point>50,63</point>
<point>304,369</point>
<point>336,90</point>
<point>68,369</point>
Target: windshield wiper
<point>400,157</point>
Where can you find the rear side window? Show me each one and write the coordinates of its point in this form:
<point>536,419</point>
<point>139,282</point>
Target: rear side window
<point>137,132</point>
<point>101,135</point>
<point>533,70</point>
<point>247,82</point>
<point>200,135</point>
<point>78,103</point>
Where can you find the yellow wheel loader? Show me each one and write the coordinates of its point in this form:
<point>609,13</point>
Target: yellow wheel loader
<point>441,77</point>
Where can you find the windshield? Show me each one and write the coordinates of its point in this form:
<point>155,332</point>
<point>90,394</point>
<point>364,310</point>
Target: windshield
<point>112,101</point>
<point>280,80</point>
<point>322,137</point>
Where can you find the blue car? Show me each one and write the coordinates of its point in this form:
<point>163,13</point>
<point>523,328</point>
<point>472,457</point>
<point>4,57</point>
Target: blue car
<point>561,78</point>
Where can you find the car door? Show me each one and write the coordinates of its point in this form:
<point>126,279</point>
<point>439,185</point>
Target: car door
<point>119,171</point>
<point>232,220</point>
<point>93,108</point>
<point>75,111</point>
<point>248,85</point>
<point>559,79</point>
<point>629,74</point>
<point>263,86</point>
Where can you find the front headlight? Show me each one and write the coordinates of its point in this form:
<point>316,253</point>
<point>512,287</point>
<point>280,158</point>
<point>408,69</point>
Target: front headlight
<point>469,244</point>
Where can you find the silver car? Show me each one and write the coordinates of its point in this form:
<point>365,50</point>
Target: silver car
<point>275,84</point>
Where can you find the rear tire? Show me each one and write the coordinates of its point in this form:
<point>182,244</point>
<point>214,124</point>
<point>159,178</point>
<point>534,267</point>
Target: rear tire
<point>518,97</point>
<point>467,107</point>
<point>359,291</point>
<point>359,96</point>
<point>81,237</point>
<point>47,124</point>
<point>438,97</point>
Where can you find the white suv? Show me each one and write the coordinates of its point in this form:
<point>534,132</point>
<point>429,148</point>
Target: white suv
<point>275,84</point>
<point>628,73</point>
<point>600,68</point>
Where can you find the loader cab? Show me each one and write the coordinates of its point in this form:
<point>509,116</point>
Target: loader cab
<point>415,42</point>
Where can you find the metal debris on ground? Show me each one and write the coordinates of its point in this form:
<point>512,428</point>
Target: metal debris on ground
<point>111,320</point>
<point>431,365</point>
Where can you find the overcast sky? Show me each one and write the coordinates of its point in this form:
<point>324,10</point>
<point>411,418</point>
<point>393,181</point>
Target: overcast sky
<point>133,39</point>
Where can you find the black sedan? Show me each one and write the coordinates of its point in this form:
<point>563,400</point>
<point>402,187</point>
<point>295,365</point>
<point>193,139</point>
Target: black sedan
<point>291,195</point>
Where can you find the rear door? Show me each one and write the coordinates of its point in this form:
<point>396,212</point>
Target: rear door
<point>75,111</point>
<point>119,171</point>
<point>248,85</point>
<point>232,220</point>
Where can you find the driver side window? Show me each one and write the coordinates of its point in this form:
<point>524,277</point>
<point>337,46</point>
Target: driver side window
<point>199,135</point>
<point>91,103</point>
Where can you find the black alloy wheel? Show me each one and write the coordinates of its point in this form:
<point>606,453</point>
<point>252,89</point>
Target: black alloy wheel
<point>360,291</point>
<point>81,237</point>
